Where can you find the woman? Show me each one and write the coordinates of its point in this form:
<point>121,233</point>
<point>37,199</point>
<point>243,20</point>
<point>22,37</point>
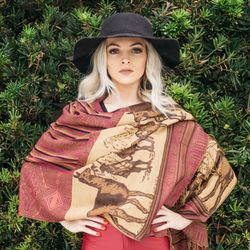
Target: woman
<point>127,165</point>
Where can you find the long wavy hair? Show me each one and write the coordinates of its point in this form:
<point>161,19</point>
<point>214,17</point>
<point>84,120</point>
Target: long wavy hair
<point>97,82</point>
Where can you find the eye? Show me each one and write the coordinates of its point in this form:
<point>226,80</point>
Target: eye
<point>137,50</point>
<point>113,51</point>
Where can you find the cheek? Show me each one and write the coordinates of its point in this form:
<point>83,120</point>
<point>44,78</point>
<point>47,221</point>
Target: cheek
<point>142,65</point>
<point>111,70</point>
<point>109,65</point>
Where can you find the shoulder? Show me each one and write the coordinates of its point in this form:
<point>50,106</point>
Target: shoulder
<point>76,107</point>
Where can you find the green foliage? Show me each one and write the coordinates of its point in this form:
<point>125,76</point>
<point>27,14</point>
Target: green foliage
<point>184,93</point>
<point>233,8</point>
<point>179,22</point>
<point>37,80</point>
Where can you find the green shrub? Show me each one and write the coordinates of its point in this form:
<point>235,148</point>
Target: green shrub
<point>37,80</point>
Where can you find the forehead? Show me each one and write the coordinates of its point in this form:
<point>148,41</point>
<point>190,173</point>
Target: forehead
<point>125,40</point>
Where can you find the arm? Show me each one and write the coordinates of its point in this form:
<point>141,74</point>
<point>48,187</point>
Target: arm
<point>211,185</point>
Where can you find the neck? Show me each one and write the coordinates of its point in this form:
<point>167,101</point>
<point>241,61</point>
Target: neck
<point>127,95</point>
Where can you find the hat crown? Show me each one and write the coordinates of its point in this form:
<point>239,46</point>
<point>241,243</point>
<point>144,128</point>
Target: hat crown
<point>126,23</point>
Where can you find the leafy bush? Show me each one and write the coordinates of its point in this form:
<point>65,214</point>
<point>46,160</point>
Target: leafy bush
<point>37,80</point>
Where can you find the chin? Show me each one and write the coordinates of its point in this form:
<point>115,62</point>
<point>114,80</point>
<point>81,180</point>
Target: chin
<point>126,82</point>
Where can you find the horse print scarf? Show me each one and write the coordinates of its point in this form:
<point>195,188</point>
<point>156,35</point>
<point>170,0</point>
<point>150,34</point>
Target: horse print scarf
<point>124,165</point>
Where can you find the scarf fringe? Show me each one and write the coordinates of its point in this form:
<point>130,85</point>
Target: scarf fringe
<point>197,236</point>
<point>194,246</point>
<point>193,237</point>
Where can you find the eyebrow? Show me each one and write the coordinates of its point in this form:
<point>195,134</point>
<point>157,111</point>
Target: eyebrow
<point>114,44</point>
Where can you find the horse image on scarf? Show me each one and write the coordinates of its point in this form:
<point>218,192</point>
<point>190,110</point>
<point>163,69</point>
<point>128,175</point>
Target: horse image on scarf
<point>112,194</point>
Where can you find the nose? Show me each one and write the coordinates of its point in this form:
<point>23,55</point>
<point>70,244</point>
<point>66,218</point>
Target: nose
<point>125,61</point>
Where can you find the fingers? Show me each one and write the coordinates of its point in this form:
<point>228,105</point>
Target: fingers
<point>98,219</point>
<point>160,219</point>
<point>86,225</point>
<point>90,231</point>
<point>161,212</point>
<point>91,224</point>
<point>170,219</point>
<point>163,227</point>
<point>165,220</point>
<point>164,211</point>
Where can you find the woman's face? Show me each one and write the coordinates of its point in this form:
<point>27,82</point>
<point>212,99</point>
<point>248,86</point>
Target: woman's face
<point>126,59</point>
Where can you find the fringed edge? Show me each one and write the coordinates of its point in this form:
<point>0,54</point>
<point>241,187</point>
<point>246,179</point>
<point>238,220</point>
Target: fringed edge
<point>197,236</point>
<point>193,246</point>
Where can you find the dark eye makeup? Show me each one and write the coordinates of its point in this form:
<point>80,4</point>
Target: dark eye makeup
<point>113,51</point>
<point>135,50</point>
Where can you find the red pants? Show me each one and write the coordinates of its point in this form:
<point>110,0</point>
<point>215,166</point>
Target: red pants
<point>112,239</point>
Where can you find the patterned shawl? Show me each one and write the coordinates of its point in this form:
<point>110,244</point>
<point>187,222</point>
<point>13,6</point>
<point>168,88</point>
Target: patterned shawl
<point>124,165</point>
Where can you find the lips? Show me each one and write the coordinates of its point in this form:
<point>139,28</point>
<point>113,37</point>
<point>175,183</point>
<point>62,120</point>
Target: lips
<point>126,71</point>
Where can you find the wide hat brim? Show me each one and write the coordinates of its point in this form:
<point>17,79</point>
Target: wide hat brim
<point>167,48</point>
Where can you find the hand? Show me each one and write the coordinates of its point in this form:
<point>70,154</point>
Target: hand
<point>171,219</point>
<point>76,226</point>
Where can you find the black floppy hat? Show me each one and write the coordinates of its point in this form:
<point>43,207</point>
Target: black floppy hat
<point>126,24</point>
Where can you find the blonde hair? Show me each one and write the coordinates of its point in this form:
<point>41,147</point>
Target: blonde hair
<point>97,82</point>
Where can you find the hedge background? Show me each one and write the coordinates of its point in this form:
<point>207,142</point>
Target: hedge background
<point>37,80</point>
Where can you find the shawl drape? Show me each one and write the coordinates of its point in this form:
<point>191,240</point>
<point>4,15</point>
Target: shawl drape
<point>124,165</point>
